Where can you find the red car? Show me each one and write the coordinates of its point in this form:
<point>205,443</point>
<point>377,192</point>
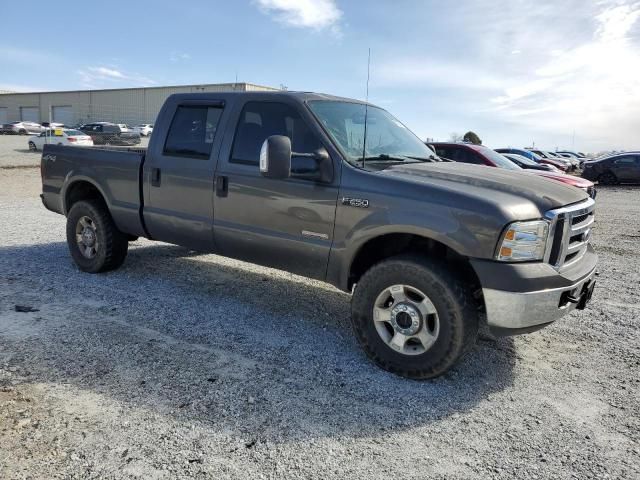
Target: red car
<point>481,155</point>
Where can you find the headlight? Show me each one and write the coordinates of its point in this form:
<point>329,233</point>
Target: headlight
<point>523,241</point>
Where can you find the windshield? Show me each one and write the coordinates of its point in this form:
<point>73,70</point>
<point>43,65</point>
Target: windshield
<point>522,159</point>
<point>387,140</point>
<point>499,160</point>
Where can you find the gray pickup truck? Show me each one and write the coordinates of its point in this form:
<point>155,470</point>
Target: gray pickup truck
<point>338,190</point>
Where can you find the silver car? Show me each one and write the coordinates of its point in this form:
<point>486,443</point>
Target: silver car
<point>21,128</point>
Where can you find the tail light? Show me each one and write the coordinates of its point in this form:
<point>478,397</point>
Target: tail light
<point>72,139</point>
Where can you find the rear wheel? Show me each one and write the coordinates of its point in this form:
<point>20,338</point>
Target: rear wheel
<point>22,131</point>
<point>32,147</point>
<point>607,178</point>
<point>413,317</point>
<point>95,244</point>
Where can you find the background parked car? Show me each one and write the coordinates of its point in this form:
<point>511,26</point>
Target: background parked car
<point>68,136</point>
<point>571,163</point>
<point>527,163</point>
<point>619,168</point>
<point>21,128</point>
<point>109,134</point>
<point>144,129</point>
<point>562,166</point>
<point>48,125</point>
<point>481,155</point>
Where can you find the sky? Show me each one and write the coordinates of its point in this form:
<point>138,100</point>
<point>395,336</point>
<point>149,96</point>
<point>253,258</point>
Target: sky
<point>557,74</point>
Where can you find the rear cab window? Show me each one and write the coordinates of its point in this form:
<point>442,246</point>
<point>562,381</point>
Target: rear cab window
<point>192,131</point>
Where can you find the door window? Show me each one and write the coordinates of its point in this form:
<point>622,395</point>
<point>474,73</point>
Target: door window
<point>463,155</point>
<point>625,161</point>
<point>192,131</point>
<point>260,120</point>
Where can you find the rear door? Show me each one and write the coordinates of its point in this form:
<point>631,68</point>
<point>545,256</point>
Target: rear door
<point>178,175</point>
<point>286,224</point>
<point>625,168</point>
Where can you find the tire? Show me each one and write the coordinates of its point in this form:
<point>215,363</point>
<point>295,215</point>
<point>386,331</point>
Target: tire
<point>110,243</point>
<point>607,178</point>
<point>32,147</point>
<point>456,315</point>
<point>22,132</point>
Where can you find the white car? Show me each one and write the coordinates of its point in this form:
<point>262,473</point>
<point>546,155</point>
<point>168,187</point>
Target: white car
<point>68,137</point>
<point>144,129</point>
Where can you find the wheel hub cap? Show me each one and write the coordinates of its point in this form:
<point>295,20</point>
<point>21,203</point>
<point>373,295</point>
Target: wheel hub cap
<point>88,237</point>
<point>405,319</point>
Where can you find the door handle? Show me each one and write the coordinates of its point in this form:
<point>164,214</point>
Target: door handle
<point>155,177</point>
<point>222,186</point>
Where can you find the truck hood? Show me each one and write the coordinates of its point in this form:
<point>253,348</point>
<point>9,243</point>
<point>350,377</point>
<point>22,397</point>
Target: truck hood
<point>487,183</point>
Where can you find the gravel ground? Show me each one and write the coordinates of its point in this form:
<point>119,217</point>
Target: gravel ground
<point>14,152</point>
<point>181,365</point>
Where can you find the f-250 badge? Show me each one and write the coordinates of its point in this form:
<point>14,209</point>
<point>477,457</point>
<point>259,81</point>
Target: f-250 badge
<point>355,202</point>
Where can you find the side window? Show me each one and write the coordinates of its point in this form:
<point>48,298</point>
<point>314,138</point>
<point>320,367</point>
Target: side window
<point>97,128</point>
<point>625,161</point>
<point>444,152</point>
<point>472,157</point>
<point>260,120</point>
<point>192,131</point>
<point>461,154</point>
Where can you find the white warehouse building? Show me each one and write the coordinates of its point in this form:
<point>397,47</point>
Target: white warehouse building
<point>123,105</point>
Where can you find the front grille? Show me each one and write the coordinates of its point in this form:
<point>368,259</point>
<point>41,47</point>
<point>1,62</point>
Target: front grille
<point>571,229</point>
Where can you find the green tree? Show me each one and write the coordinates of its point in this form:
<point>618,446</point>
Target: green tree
<point>472,138</point>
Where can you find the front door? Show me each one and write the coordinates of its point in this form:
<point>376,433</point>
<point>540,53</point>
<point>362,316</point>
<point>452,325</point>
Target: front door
<point>178,177</point>
<point>286,224</point>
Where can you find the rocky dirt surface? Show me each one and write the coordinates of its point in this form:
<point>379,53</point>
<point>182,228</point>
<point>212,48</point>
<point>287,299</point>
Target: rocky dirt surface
<point>181,365</point>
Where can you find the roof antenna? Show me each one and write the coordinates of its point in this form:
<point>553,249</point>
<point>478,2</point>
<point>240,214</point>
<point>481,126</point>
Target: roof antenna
<point>366,110</point>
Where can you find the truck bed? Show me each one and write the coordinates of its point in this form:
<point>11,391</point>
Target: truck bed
<point>114,172</point>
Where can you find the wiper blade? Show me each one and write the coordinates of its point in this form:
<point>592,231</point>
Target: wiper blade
<point>385,156</point>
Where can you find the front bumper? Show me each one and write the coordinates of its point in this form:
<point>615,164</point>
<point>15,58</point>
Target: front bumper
<point>521,298</point>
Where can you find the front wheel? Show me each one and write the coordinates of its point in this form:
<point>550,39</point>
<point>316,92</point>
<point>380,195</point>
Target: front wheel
<point>413,317</point>
<point>32,147</point>
<point>607,178</point>
<point>95,243</point>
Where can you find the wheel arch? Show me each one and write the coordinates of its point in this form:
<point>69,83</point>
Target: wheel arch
<point>81,189</point>
<point>388,245</point>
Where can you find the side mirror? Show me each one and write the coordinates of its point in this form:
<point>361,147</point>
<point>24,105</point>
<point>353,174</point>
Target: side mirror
<point>275,157</point>
<point>316,166</point>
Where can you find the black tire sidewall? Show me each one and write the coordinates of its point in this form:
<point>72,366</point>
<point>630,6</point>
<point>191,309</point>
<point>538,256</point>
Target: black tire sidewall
<point>456,317</point>
<point>91,210</point>
<point>608,178</point>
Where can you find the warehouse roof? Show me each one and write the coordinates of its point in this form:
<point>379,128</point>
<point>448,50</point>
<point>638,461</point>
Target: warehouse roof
<point>235,85</point>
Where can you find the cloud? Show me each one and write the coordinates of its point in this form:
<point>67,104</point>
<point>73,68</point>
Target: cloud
<point>315,14</point>
<point>179,57</point>
<point>12,87</point>
<point>433,72</point>
<point>111,77</point>
<point>593,87</point>
<point>25,56</point>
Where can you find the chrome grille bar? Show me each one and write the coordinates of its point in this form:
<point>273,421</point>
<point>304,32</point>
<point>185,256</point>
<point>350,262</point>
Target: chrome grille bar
<point>562,221</point>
